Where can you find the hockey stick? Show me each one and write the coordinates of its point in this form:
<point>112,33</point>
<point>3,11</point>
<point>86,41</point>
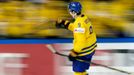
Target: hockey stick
<point>115,69</point>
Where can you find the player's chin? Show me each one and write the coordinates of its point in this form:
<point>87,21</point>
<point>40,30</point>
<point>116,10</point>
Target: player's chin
<point>73,16</point>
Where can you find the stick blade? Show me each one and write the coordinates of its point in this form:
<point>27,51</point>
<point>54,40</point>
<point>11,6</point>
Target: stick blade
<point>131,74</point>
<point>51,48</point>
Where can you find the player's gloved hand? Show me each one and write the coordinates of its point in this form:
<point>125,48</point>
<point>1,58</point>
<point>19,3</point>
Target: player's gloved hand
<point>62,24</point>
<point>72,56</point>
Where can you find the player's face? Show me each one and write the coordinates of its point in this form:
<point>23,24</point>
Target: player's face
<point>73,14</point>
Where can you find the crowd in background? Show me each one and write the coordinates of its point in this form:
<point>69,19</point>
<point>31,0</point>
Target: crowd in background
<point>36,18</point>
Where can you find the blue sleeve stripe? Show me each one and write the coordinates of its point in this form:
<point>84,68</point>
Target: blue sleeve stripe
<point>51,41</point>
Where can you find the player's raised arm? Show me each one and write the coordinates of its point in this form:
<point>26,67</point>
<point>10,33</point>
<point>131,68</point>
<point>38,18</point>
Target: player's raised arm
<point>64,24</point>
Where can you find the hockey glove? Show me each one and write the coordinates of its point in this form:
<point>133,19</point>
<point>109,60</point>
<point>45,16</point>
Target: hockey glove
<point>72,56</point>
<point>62,24</point>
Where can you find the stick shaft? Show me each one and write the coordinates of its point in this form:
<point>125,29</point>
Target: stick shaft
<point>51,48</point>
<point>61,54</point>
<point>122,71</point>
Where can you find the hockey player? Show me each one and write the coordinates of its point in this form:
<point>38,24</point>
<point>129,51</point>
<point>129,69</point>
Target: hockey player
<point>84,42</point>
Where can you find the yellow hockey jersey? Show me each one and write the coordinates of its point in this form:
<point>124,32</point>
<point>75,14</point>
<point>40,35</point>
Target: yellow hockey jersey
<point>84,36</point>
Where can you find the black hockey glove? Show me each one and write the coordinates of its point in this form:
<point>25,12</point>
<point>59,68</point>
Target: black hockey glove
<point>72,56</point>
<point>62,24</point>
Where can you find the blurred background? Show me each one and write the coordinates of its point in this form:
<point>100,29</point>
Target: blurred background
<point>113,22</point>
<point>36,18</point>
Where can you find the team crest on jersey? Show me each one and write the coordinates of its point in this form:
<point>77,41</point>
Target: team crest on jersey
<point>79,30</point>
<point>79,25</point>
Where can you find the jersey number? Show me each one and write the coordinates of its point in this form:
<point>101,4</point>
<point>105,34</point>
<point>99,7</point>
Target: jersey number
<point>90,29</point>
